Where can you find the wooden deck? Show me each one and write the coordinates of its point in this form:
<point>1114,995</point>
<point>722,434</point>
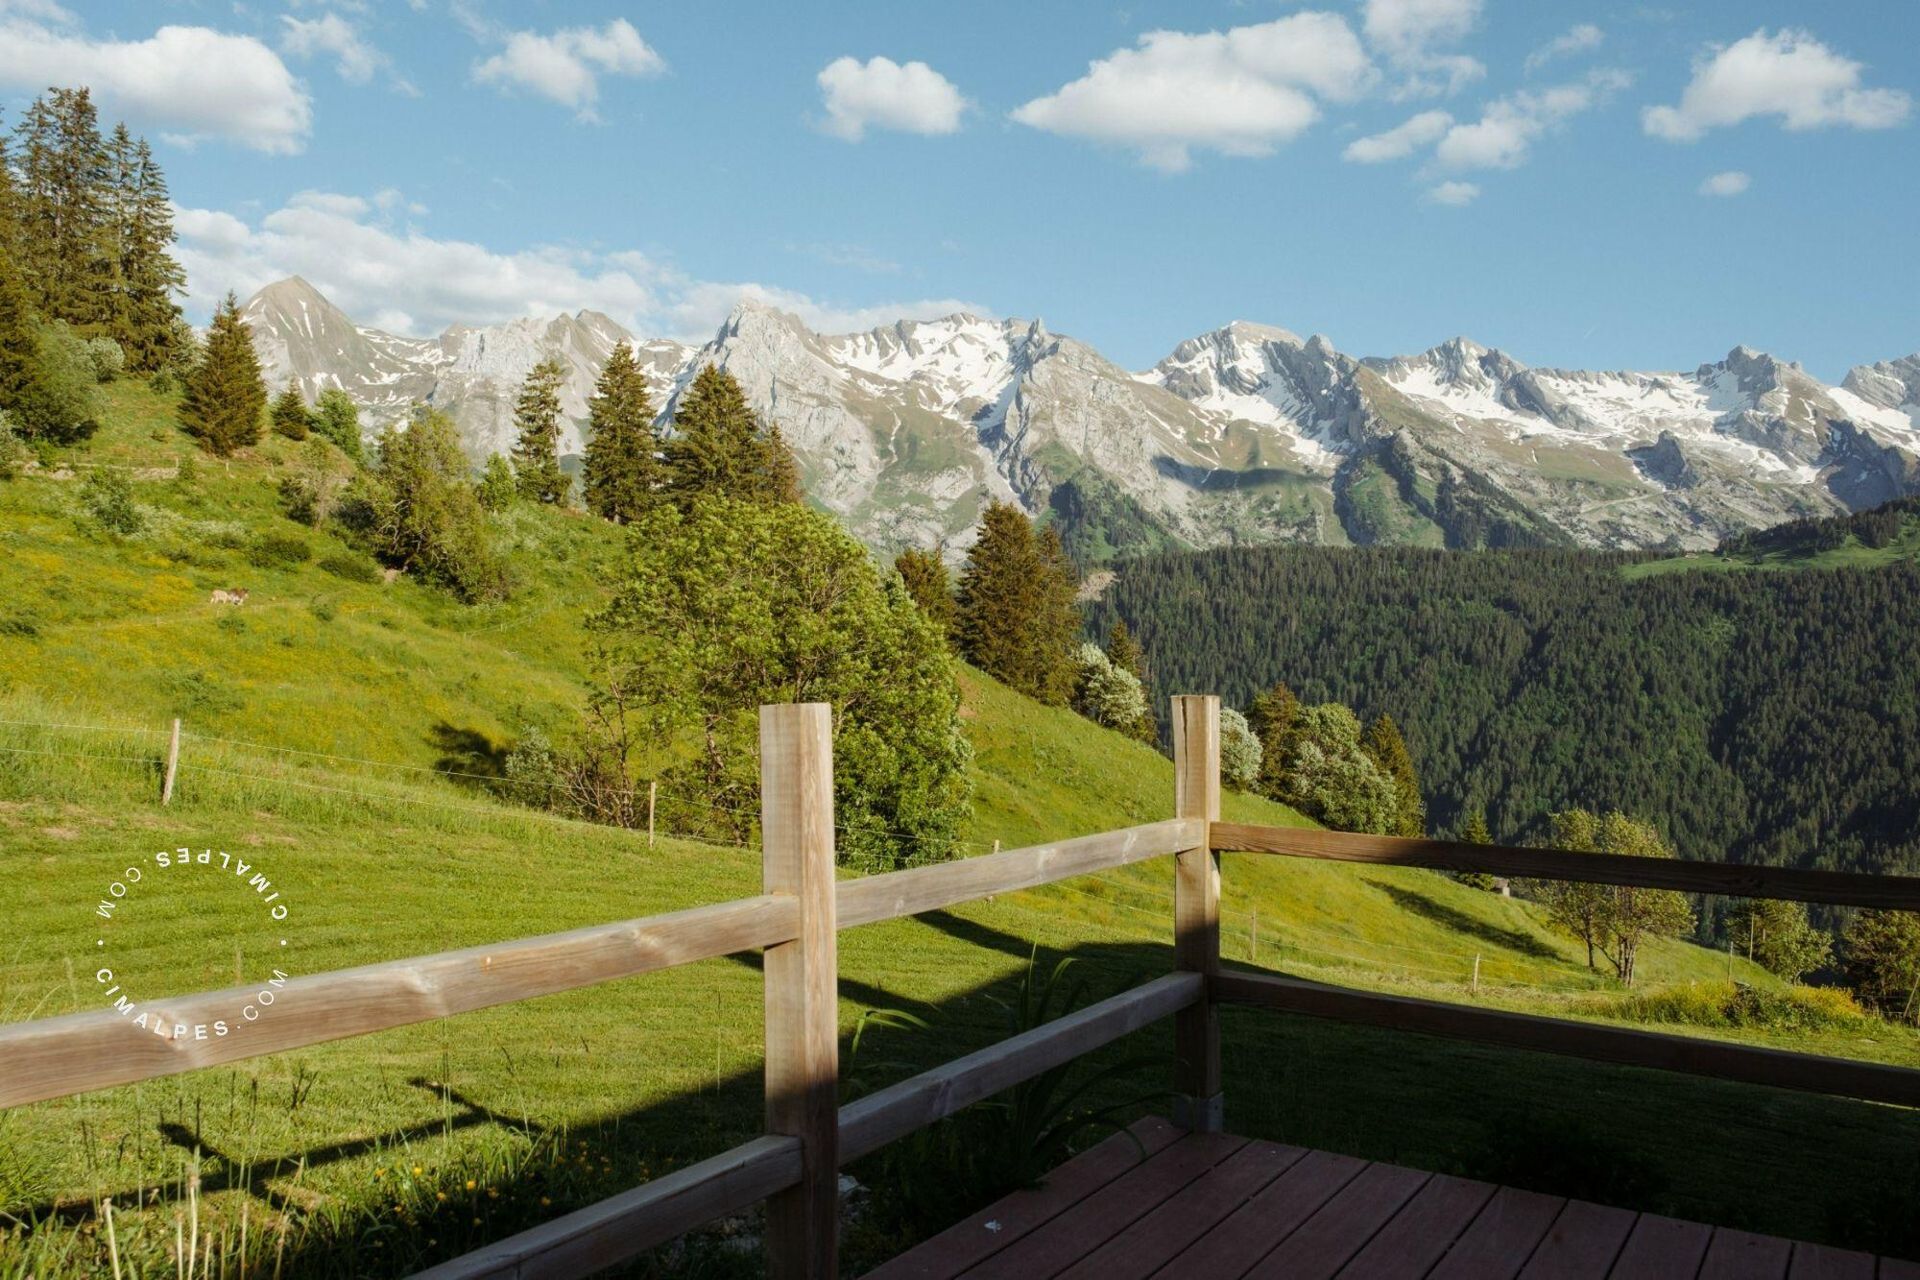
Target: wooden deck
<point>1213,1205</point>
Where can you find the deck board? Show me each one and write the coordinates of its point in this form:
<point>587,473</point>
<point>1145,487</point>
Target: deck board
<point>1169,1205</point>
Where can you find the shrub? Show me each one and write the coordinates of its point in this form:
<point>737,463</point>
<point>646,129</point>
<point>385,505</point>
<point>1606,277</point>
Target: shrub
<point>351,567</point>
<point>418,512</point>
<point>1882,950</point>
<point>497,488</point>
<point>13,451</point>
<point>278,551</point>
<point>106,359</point>
<point>1239,751</point>
<point>1733,1005</point>
<point>108,495</point>
<point>1103,693</point>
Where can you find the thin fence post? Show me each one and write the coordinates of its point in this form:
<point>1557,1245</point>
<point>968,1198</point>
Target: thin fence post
<point>1476,973</point>
<point>1196,912</point>
<point>1253,938</point>
<point>653,792</point>
<point>173,763</point>
<point>802,997</point>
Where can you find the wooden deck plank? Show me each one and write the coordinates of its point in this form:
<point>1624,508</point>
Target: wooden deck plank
<point>1144,1247</point>
<point>1409,1245</point>
<point>1896,1269</point>
<point>1057,1245</point>
<point>1662,1249</point>
<point>1009,1219</point>
<point>1742,1255</point>
<point>1822,1262</point>
<point>1499,1242</point>
<point>1582,1243</point>
<point>1251,1231</point>
<point>1343,1226</point>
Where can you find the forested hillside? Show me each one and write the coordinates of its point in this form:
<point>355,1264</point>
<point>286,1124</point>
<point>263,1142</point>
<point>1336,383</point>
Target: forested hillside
<point>1759,716</point>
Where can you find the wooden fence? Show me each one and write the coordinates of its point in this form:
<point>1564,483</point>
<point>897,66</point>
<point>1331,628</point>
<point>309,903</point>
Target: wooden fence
<point>795,921</point>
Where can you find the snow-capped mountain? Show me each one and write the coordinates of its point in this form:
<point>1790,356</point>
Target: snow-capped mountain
<point>1244,434</point>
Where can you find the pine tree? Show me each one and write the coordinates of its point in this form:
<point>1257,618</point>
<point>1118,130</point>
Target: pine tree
<point>1473,830</point>
<point>1124,652</point>
<point>290,416</point>
<point>1389,750</point>
<point>1055,629</point>
<point>225,395</point>
<point>716,444</point>
<point>1272,716</point>
<point>1018,617</point>
<point>66,229</point>
<point>927,581</point>
<point>622,468</point>
<point>536,453</point>
<point>779,469</point>
<point>148,276</point>
<point>337,418</point>
<point>27,391</point>
<point>9,209</point>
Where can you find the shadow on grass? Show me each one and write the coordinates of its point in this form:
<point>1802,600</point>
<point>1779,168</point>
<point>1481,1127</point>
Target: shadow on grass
<point>1460,922</point>
<point>469,756</point>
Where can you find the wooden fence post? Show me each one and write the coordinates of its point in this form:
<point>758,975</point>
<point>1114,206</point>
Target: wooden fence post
<point>802,994</point>
<point>1196,912</point>
<point>173,763</point>
<point>653,794</point>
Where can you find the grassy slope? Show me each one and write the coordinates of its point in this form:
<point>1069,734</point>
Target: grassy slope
<point>384,858</point>
<point>1852,554</point>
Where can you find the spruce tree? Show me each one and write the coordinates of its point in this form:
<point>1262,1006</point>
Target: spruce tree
<point>1389,750</point>
<point>290,416</point>
<point>1473,830</point>
<point>536,453</point>
<point>225,395</point>
<point>716,446</point>
<point>1054,633</point>
<point>9,209</point>
<point>148,277</point>
<point>622,463</point>
<point>29,390</point>
<point>779,469</point>
<point>1273,716</point>
<point>1018,618</point>
<point>66,229</point>
<point>1123,651</point>
<point>336,417</point>
<point>927,581</point>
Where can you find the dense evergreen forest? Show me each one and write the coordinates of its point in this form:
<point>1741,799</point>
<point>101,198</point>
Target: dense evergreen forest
<point>1761,716</point>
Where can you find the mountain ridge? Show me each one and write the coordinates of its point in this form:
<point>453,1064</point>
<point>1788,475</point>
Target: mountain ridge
<point>1243,434</point>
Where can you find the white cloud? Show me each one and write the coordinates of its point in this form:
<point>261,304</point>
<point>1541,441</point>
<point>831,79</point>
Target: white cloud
<point>1411,33</point>
<point>395,275</point>
<point>1731,183</point>
<point>1240,92</point>
<point>566,66</point>
<point>1508,127</point>
<point>882,94</point>
<point>1788,74</point>
<point>354,58</point>
<point>188,83</point>
<point>1580,39</point>
<point>1401,141</point>
<point>1453,193</point>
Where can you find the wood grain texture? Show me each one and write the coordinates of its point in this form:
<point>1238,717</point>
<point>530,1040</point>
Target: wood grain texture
<point>1326,1241</point>
<point>802,986</point>
<point>55,1057</point>
<point>1777,1068</point>
<point>1196,906</point>
<point>1837,888</point>
<point>626,1225</point>
<point>869,1123</point>
<point>905,893</point>
<point>1256,1227</point>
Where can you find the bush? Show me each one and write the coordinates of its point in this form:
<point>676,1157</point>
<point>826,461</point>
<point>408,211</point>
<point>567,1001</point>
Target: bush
<point>1103,693</point>
<point>278,551</point>
<point>417,510</point>
<point>1736,1005</point>
<point>1882,962</point>
<point>53,399</point>
<point>13,451</point>
<point>1240,751</point>
<point>108,495</point>
<point>106,359</point>
<point>351,567</point>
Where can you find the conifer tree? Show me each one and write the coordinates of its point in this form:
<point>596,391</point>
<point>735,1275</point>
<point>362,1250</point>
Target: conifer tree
<point>1389,750</point>
<point>716,446</point>
<point>927,581</point>
<point>336,417</point>
<point>1055,628</point>
<point>1018,619</point>
<point>9,209</point>
<point>1123,651</point>
<point>779,469</point>
<point>1474,830</point>
<point>290,416</point>
<point>622,468</point>
<point>536,453</point>
<point>1273,716</point>
<point>66,231</point>
<point>225,395</point>
<point>29,391</point>
<point>148,276</point>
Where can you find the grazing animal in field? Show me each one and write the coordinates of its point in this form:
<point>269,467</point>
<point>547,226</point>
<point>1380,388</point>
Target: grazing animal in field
<point>237,595</point>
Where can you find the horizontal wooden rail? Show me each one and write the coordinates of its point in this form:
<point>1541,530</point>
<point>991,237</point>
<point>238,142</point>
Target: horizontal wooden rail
<point>53,1057</point>
<point>626,1225</point>
<point>872,1122</point>
<point>1836,888</point>
<point>905,893</point>
<point>1844,1077</point>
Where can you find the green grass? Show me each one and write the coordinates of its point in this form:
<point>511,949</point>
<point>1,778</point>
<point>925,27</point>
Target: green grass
<point>329,724</point>
<point>1851,554</point>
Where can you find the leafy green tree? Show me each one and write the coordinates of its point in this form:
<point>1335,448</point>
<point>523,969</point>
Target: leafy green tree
<point>417,509</point>
<point>1881,958</point>
<point>225,395</point>
<point>315,483</point>
<point>536,451</point>
<point>1240,751</point>
<point>1613,920</point>
<point>105,358</point>
<point>46,381</point>
<point>729,605</point>
<point>497,488</point>
<point>1777,935</point>
<point>1109,695</point>
<point>623,469</point>
<point>290,415</point>
<point>1389,750</point>
<point>926,578</point>
<point>337,418</point>
<point>1017,619</point>
<point>1329,776</point>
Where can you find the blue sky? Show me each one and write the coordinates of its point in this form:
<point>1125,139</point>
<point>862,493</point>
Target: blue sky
<point>425,162</point>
